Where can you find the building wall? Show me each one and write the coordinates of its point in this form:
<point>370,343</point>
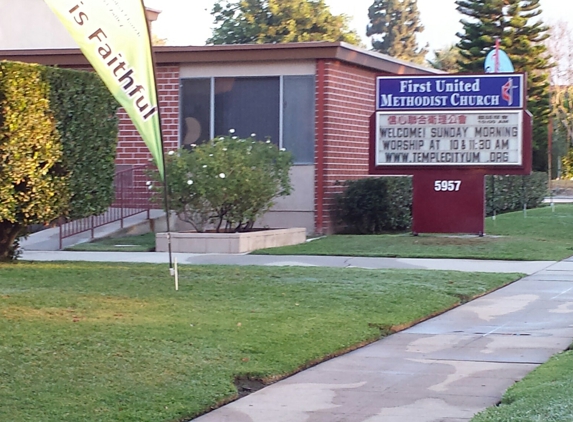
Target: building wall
<point>26,24</point>
<point>31,24</point>
<point>131,150</point>
<point>348,102</point>
<point>297,209</point>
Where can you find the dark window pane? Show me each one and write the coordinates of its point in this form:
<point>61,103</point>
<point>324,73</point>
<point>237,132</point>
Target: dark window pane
<point>195,111</point>
<point>298,118</point>
<point>248,105</point>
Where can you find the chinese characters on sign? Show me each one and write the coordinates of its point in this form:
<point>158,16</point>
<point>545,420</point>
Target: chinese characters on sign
<point>482,138</point>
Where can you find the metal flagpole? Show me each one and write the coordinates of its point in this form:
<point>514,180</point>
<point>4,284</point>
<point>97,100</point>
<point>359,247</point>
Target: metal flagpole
<point>165,185</point>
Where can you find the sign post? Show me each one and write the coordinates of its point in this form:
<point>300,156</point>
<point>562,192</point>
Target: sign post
<point>448,132</point>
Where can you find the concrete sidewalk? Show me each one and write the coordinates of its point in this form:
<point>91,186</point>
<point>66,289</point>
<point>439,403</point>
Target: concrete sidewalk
<point>468,265</point>
<point>445,369</point>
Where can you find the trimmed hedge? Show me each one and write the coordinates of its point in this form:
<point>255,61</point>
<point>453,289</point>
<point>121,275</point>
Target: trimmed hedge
<point>33,185</point>
<point>384,204</point>
<point>58,134</point>
<point>374,205</point>
<point>86,121</point>
<point>510,193</point>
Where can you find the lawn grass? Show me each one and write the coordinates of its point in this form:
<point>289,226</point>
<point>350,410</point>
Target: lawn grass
<point>116,342</point>
<point>541,235</point>
<point>546,394</point>
<point>139,243</point>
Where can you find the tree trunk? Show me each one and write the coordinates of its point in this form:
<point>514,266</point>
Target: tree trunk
<point>8,234</point>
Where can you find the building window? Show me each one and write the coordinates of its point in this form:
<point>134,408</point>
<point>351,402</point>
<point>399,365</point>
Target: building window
<point>248,105</point>
<point>298,117</point>
<point>195,125</point>
<point>277,108</point>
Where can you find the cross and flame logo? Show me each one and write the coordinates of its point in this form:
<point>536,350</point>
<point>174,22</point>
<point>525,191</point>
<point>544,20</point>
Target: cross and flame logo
<point>507,91</point>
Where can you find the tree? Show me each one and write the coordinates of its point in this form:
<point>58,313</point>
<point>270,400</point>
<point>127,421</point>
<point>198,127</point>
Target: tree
<point>522,34</point>
<point>560,46</point>
<point>155,40</point>
<point>446,59</point>
<point>278,21</point>
<point>393,27</point>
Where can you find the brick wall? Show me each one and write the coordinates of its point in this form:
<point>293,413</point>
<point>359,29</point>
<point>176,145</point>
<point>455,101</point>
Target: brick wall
<point>348,102</point>
<point>130,149</point>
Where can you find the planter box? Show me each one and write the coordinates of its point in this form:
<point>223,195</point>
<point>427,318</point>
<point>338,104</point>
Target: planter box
<point>192,242</point>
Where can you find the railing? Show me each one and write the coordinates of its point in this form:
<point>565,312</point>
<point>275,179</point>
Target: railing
<point>132,197</point>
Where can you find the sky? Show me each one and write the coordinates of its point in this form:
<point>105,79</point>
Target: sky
<point>189,22</point>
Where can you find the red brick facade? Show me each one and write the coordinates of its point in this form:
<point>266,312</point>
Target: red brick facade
<point>131,150</point>
<point>348,101</point>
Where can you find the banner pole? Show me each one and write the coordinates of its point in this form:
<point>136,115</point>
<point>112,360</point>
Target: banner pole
<point>165,185</point>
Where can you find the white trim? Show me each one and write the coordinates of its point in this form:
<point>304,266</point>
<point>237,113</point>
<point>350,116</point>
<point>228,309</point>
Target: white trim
<point>212,108</point>
<point>281,109</point>
<point>250,69</point>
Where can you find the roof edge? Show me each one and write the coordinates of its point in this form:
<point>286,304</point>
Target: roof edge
<point>73,57</point>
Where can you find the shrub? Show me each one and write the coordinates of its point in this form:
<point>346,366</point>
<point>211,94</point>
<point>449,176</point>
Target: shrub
<point>226,182</point>
<point>58,133</point>
<point>510,193</point>
<point>86,121</point>
<point>32,183</point>
<point>374,205</point>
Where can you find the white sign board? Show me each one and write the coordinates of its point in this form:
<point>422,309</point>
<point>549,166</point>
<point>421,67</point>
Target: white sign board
<point>466,138</point>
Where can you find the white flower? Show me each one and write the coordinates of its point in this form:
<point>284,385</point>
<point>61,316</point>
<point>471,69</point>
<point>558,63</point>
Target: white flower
<point>268,141</point>
<point>148,183</point>
<point>234,137</point>
<point>253,135</point>
<point>221,139</point>
<point>193,145</point>
<point>204,166</point>
<point>189,182</point>
<point>283,149</point>
<point>150,187</point>
<point>224,149</point>
<point>171,152</point>
<point>210,155</point>
<point>222,175</point>
<point>231,130</point>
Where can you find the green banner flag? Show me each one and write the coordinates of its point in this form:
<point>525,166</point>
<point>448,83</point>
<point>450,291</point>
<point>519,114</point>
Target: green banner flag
<point>114,37</point>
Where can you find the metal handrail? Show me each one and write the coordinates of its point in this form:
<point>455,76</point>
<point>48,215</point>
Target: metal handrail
<point>132,197</point>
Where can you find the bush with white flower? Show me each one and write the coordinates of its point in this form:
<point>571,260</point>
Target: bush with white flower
<point>226,183</point>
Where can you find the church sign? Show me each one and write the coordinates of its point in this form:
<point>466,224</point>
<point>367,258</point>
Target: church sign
<point>491,138</point>
<point>447,92</point>
<point>448,132</point>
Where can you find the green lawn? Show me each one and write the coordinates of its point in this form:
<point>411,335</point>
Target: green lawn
<point>115,342</point>
<point>545,395</point>
<point>541,235</point>
<point>140,243</point>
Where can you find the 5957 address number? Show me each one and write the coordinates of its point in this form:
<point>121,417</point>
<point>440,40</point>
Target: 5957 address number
<point>447,185</point>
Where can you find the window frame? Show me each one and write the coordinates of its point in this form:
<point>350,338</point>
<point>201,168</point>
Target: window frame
<point>212,110</point>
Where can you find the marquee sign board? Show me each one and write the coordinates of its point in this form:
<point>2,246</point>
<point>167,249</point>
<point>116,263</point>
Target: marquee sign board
<point>448,92</point>
<point>460,139</point>
<point>448,132</point>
